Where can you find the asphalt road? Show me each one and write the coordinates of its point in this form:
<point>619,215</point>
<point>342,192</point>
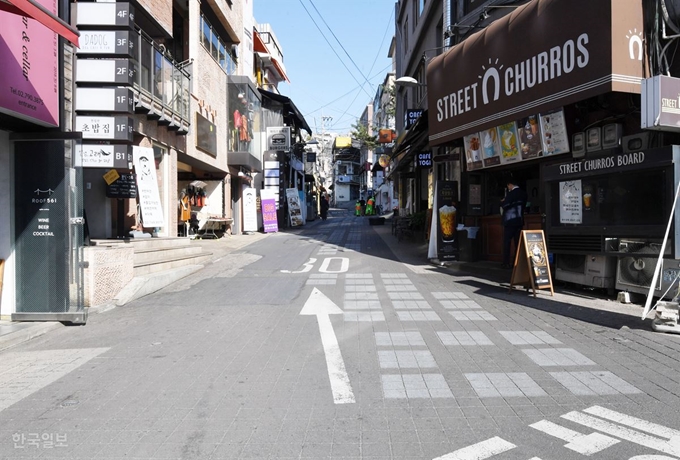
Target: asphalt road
<point>330,342</point>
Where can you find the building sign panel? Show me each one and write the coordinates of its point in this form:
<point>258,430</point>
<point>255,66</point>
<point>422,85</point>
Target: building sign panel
<point>423,160</point>
<point>108,42</point>
<point>118,71</point>
<point>278,138</point>
<point>661,103</point>
<point>522,64</point>
<point>29,81</point>
<point>105,100</point>
<point>104,14</point>
<point>104,156</point>
<point>105,128</point>
<point>411,116</point>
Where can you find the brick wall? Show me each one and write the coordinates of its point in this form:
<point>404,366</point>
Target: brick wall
<point>161,10</point>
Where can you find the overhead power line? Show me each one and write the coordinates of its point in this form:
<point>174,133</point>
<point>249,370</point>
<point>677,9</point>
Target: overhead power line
<point>333,49</point>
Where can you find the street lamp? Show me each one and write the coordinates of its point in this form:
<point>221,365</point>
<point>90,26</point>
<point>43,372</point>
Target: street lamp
<point>408,82</point>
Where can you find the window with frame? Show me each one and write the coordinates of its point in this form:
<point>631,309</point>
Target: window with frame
<point>217,47</point>
<point>406,35</point>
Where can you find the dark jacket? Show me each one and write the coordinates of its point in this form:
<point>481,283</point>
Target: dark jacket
<point>513,207</point>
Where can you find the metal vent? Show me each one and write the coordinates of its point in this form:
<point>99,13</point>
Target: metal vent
<point>575,244</point>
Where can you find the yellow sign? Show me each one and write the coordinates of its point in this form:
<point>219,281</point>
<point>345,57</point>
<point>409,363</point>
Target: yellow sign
<point>111,177</point>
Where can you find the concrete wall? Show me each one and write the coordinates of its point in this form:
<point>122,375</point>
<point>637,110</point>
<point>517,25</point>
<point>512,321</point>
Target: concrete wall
<point>7,294</point>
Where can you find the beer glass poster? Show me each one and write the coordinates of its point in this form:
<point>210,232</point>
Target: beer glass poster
<point>446,218</point>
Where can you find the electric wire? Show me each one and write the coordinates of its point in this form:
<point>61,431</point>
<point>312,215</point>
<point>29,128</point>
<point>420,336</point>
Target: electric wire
<point>340,43</point>
<point>375,59</point>
<point>331,47</point>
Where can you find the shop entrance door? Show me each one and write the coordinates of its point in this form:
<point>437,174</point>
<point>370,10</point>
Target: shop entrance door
<point>48,232</point>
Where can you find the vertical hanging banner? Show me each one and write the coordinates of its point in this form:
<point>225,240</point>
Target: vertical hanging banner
<point>249,209</point>
<point>269,220</point>
<point>446,216</point>
<point>147,187</point>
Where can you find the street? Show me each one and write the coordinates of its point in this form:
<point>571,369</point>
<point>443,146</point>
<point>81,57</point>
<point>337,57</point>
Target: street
<point>329,342</point>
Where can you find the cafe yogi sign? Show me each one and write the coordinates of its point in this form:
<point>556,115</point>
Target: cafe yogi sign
<point>525,63</point>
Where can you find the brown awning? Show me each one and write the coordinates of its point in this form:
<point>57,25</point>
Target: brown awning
<point>36,11</point>
<point>529,61</point>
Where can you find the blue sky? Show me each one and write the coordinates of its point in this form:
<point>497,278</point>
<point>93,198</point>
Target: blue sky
<point>321,82</point>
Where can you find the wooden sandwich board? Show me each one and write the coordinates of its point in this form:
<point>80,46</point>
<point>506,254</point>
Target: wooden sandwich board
<point>532,269</point>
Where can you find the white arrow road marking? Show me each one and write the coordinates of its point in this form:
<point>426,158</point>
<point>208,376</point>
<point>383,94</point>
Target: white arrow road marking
<point>662,445</point>
<point>321,306</point>
<point>581,443</point>
<point>480,451</point>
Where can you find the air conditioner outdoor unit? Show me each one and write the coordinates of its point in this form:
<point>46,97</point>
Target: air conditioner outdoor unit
<point>634,271</point>
<point>593,271</point>
<point>343,179</point>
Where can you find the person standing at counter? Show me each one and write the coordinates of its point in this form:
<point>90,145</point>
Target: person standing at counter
<point>513,218</point>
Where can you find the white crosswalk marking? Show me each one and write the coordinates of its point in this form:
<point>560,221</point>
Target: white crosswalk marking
<point>628,434</point>
<point>581,443</point>
<point>633,422</point>
<point>480,451</point>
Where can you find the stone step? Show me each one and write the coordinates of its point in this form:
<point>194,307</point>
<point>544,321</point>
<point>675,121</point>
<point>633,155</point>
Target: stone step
<point>150,256</point>
<point>142,244</point>
<point>171,263</point>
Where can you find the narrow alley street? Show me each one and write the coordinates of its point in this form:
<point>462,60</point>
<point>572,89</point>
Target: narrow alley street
<point>333,341</point>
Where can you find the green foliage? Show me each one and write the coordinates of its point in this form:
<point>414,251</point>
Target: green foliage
<point>391,108</point>
<point>418,220</point>
<point>360,133</point>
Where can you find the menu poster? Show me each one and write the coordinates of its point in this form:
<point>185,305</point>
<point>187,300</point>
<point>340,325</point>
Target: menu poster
<point>530,137</point>
<point>507,134</point>
<point>491,147</point>
<point>571,210</point>
<point>269,218</point>
<point>554,133</point>
<point>473,153</point>
<point>294,209</point>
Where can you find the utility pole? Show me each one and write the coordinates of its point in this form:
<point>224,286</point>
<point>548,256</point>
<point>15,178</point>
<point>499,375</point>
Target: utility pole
<point>323,151</point>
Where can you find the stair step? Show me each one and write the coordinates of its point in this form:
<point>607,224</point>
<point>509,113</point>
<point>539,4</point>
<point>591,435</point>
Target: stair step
<point>170,263</point>
<point>147,256</point>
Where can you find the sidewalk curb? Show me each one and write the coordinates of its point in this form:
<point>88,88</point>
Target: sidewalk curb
<point>29,333</point>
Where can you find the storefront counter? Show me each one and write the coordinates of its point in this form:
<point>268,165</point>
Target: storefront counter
<point>492,234</point>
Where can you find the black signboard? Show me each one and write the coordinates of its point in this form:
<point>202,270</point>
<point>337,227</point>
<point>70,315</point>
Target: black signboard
<point>41,194</point>
<point>123,187</point>
<point>206,138</point>
<point>423,160</point>
<point>411,116</point>
<point>532,269</point>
